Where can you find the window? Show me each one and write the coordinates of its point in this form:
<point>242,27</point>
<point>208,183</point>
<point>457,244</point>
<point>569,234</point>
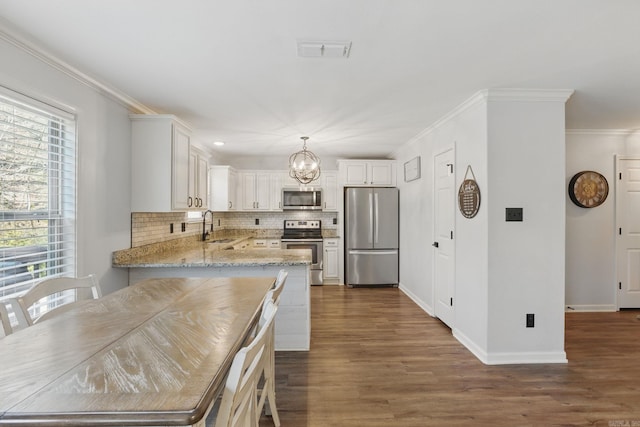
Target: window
<point>37,193</point>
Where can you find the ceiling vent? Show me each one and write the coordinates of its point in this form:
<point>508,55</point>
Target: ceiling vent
<point>323,49</point>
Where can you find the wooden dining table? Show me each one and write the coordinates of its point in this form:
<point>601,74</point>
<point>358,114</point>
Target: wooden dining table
<point>154,353</point>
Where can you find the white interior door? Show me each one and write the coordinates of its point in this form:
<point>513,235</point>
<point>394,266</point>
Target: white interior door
<point>444,215</point>
<point>628,230</point>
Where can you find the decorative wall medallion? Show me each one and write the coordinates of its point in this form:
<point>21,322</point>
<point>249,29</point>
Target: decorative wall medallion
<point>469,195</point>
<point>588,189</point>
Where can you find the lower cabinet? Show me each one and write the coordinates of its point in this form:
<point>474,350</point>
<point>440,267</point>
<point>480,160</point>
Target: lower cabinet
<point>330,269</point>
<point>293,320</point>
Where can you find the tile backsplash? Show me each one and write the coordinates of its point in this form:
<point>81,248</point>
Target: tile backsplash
<point>148,228</point>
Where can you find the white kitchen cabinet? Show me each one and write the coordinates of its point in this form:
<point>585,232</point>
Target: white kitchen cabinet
<point>224,188</point>
<point>330,190</point>
<point>367,173</point>
<point>198,181</point>
<point>160,150</point>
<point>293,320</point>
<point>274,244</point>
<point>260,243</point>
<point>330,270</point>
<point>256,188</point>
<point>278,180</point>
<point>266,243</point>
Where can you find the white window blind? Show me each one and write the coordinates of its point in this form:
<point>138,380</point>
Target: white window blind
<point>37,194</point>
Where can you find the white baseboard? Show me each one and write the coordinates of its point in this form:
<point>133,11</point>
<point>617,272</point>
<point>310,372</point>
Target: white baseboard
<point>428,309</point>
<point>590,307</point>
<point>492,358</point>
<point>510,358</point>
<point>470,345</point>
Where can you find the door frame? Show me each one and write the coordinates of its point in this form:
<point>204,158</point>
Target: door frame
<point>450,147</point>
<point>617,159</point>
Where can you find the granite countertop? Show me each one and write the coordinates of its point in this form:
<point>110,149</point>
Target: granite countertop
<point>209,254</point>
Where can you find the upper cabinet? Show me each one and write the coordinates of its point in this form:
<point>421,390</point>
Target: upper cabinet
<point>224,188</point>
<point>256,188</point>
<point>367,173</point>
<point>278,180</point>
<point>160,156</point>
<point>329,190</point>
<point>261,190</point>
<point>198,181</point>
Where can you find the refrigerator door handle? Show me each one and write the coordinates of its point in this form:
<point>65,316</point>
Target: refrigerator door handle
<point>370,216</point>
<point>370,252</point>
<point>376,225</point>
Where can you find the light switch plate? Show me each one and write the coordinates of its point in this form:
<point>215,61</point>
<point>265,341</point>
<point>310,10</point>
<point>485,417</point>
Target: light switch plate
<point>513,214</point>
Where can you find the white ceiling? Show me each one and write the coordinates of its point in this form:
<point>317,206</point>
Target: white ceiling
<point>229,68</point>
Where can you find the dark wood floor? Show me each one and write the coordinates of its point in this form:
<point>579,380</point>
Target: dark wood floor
<point>377,359</point>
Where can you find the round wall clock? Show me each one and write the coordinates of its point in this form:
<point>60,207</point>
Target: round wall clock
<point>588,189</point>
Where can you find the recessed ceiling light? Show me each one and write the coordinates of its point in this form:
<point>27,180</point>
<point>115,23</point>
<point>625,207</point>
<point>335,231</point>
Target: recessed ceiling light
<point>218,143</point>
<point>323,49</point>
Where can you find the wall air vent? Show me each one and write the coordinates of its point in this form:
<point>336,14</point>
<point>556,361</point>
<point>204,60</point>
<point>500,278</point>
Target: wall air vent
<point>323,49</point>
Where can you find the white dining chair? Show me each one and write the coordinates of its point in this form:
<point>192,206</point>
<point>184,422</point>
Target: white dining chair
<point>4,318</point>
<point>85,288</point>
<point>266,379</point>
<point>239,399</point>
<point>279,285</point>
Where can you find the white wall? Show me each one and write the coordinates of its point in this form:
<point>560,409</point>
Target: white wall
<point>471,242</point>
<point>515,144</point>
<point>416,219</point>
<point>526,167</point>
<point>103,210</point>
<point>590,233</point>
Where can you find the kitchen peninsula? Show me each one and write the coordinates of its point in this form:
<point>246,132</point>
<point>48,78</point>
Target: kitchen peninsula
<point>198,259</point>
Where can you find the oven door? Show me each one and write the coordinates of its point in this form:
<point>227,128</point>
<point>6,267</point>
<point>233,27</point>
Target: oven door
<point>316,256</point>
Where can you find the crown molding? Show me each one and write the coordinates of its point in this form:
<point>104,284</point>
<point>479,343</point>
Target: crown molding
<point>530,95</point>
<point>465,105</point>
<point>612,132</point>
<point>37,52</point>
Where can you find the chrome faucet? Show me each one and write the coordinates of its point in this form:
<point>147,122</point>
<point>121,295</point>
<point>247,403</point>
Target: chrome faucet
<point>204,224</point>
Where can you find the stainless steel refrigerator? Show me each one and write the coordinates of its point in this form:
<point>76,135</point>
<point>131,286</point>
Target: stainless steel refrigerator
<point>371,231</point>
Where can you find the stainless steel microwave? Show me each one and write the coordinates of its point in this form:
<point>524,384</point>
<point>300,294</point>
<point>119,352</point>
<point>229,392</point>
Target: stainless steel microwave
<point>302,199</point>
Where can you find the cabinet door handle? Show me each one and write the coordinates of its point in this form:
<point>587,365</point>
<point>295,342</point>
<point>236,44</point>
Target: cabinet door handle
<point>230,204</point>
<point>189,201</point>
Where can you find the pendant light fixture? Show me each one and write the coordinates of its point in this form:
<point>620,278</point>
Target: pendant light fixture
<point>304,166</point>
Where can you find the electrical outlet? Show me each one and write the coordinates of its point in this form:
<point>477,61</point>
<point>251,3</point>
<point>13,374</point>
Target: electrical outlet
<point>257,221</point>
<point>530,320</point>
<point>171,228</point>
<point>513,214</point>
<point>335,221</point>
<point>184,227</point>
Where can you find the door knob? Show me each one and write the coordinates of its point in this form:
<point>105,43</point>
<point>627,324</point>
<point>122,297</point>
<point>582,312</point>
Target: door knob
<point>435,245</point>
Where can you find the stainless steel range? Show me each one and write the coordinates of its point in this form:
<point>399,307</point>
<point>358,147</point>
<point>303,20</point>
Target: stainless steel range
<point>306,234</point>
